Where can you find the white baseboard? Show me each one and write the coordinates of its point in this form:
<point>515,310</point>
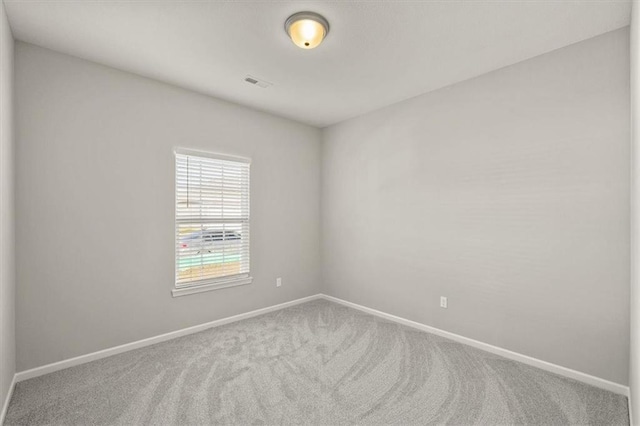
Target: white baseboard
<point>544,365</point>
<point>82,359</point>
<point>7,400</point>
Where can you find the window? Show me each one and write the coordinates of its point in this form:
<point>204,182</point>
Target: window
<point>212,222</point>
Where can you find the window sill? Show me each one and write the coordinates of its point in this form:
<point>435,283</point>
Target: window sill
<point>210,286</point>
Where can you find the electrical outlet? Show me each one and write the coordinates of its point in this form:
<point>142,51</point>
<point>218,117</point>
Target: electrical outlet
<point>443,302</point>
<point>278,282</point>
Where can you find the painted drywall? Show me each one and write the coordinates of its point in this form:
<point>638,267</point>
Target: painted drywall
<point>634,350</point>
<point>7,232</point>
<point>508,194</point>
<point>95,202</point>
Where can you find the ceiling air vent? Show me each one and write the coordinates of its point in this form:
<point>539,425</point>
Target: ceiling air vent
<point>257,81</point>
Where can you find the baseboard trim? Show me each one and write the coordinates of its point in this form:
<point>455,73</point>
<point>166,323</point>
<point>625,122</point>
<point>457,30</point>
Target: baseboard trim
<point>515,356</point>
<point>7,400</point>
<point>525,359</point>
<point>83,359</point>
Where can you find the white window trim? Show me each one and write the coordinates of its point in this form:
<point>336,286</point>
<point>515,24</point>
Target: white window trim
<point>210,285</point>
<point>214,283</point>
<point>216,156</point>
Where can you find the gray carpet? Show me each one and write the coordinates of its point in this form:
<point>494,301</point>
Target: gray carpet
<point>315,363</point>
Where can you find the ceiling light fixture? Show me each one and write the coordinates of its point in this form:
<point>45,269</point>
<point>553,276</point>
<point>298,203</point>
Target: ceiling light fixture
<point>306,29</point>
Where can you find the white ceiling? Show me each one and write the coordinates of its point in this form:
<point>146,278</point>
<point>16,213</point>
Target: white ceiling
<point>377,52</point>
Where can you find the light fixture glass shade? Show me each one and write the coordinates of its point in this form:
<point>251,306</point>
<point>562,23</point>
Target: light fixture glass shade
<point>307,29</point>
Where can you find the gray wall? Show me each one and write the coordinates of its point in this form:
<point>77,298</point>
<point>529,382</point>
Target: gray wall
<point>7,252</point>
<point>634,356</point>
<point>507,193</point>
<point>95,196</point>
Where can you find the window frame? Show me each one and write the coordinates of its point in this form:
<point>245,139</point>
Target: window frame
<point>207,284</point>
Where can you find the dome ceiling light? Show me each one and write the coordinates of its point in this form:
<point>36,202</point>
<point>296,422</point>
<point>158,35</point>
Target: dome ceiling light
<point>306,29</point>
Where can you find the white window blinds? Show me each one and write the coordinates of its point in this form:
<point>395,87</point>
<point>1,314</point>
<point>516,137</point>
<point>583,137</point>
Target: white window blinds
<point>212,218</point>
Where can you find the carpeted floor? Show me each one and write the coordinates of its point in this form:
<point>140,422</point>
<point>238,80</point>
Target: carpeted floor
<point>315,363</point>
